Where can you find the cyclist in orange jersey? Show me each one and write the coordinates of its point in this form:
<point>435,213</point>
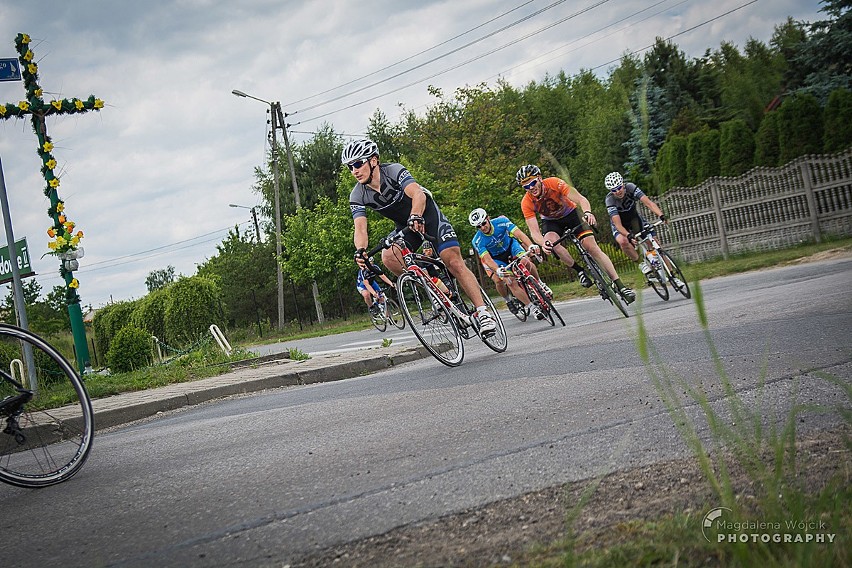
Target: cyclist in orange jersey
<point>556,203</point>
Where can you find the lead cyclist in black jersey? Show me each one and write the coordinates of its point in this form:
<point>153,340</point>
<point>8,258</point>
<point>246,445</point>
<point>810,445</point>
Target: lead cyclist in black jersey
<point>390,190</point>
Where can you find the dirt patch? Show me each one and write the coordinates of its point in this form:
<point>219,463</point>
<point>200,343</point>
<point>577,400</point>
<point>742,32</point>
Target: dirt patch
<point>503,532</point>
<point>830,254</point>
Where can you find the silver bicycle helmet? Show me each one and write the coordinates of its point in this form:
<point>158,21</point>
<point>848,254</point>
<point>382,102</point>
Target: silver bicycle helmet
<point>527,171</point>
<point>358,150</point>
<point>477,216</point>
<point>613,181</point>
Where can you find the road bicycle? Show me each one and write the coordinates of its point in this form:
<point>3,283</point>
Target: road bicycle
<point>388,312</point>
<point>45,412</point>
<point>663,267</point>
<point>604,284</point>
<point>440,320</point>
<point>538,295</point>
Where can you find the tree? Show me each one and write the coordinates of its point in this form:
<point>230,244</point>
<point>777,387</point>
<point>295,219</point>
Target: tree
<point>826,56</point>
<point>838,121</point>
<point>159,279</point>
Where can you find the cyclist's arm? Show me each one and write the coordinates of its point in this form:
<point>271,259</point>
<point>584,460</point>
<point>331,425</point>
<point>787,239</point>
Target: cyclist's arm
<point>655,209</point>
<point>517,233</point>
<point>362,237</point>
<point>418,198</point>
<point>619,226</point>
<point>582,203</point>
<point>387,280</point>
<point>535,231</point>
<point>488,261</point>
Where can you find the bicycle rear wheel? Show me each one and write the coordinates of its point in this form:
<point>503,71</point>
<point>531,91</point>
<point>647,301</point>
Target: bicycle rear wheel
<point>394,313</point>
<point>539,298</point>
<point>676,273</point>
<point>429,320</point>
<point>44,440</point>
<point>605,285</point>
<point>551,309</point>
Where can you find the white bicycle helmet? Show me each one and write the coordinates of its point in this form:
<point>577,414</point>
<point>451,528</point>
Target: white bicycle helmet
<point>613,181</point>
<point>477,216</point>
<point>358,150</point>
<point>527,171</point>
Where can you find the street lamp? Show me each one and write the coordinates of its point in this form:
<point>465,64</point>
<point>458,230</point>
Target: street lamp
<point>272,110</point>
<point>253,215</point>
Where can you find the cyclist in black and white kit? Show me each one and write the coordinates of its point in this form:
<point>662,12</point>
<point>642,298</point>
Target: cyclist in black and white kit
<point>624,218</point>
<point>390,190</point>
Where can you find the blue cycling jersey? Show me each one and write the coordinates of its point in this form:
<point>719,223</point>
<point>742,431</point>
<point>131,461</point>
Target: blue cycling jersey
<point>500,242</point>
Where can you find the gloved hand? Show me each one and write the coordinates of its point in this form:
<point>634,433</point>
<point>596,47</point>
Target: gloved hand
<point>416,223</point>
<point>534,249</point>
<point>502,272</point>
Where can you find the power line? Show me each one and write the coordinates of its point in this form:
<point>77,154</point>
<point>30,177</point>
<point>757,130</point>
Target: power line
<point>412,56</point>
<point>678,34</point>
<point>446,70</point>
<point>486,36</point>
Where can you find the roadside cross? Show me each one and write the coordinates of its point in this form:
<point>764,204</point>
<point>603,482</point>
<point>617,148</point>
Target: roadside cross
<point>65,243</point>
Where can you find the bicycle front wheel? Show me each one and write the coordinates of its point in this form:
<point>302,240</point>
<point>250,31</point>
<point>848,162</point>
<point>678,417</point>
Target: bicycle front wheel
<point>551,309</point>
<point>538,297</point>
<point>657,281</point>
<point>378,320</point>
<point>46,436</point>
<point>676,275</point>
<point>605,285</point>
<point>499,341</point>
<point>394,314</point>
<point>430,320</point>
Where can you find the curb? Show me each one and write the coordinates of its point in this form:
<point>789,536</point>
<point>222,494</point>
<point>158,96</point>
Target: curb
<point>265,373</point>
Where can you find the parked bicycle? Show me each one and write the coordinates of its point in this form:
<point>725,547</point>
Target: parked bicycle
<point>538,295</point>
<point>439,319</point>
<point>663,267</point>
<point>606,287</point>
<point>388,312</point>
<point>45,412</point>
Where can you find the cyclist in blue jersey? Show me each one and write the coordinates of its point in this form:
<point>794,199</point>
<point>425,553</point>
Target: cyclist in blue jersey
<point>390,190</point>
<point>498,242</point>
<point>369,288</point>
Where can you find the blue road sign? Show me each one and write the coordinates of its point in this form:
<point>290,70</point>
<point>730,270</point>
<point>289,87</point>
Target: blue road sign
<point>10,69</point>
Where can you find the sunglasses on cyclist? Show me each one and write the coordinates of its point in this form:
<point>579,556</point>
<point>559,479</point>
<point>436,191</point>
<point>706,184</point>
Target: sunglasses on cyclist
<point>530,184</point>
<point>482,224</point>
<point>355,165</point>
<point>616,189</point>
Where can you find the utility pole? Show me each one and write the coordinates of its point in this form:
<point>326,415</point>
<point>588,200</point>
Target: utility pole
<point>274,110</point>
<point>314,287</point>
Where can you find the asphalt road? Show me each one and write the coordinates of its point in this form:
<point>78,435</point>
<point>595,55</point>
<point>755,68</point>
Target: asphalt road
<point>262,479</point>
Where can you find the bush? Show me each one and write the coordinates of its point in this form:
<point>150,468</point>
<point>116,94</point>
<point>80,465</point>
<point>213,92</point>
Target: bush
<point>766,149</point>
<point>838,121</point>
<point>149,313</point>
<point>736,148</point>
<point>800,127</point>
<point>109,320</point>
<point>193,304</point>
<point>130,349</point>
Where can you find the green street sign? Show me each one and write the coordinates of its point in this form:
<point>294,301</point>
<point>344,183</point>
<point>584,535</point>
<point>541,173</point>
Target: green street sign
<point>23,258</point>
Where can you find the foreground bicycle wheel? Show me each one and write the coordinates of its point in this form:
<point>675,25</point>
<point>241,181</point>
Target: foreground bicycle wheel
<point>47,438</point>
<point>676,273</point>
<point>605,285</point>
<point>429,320</point>
<point>394,313</point>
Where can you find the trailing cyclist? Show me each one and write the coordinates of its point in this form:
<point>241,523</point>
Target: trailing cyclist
<point>496,241</point>
<point>390,190</point>
<point>369,289</point>
<point>624,217</point>
<point>556,203</point>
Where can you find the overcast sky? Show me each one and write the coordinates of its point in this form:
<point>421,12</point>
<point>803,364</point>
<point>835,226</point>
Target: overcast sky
<point>149,178</point>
